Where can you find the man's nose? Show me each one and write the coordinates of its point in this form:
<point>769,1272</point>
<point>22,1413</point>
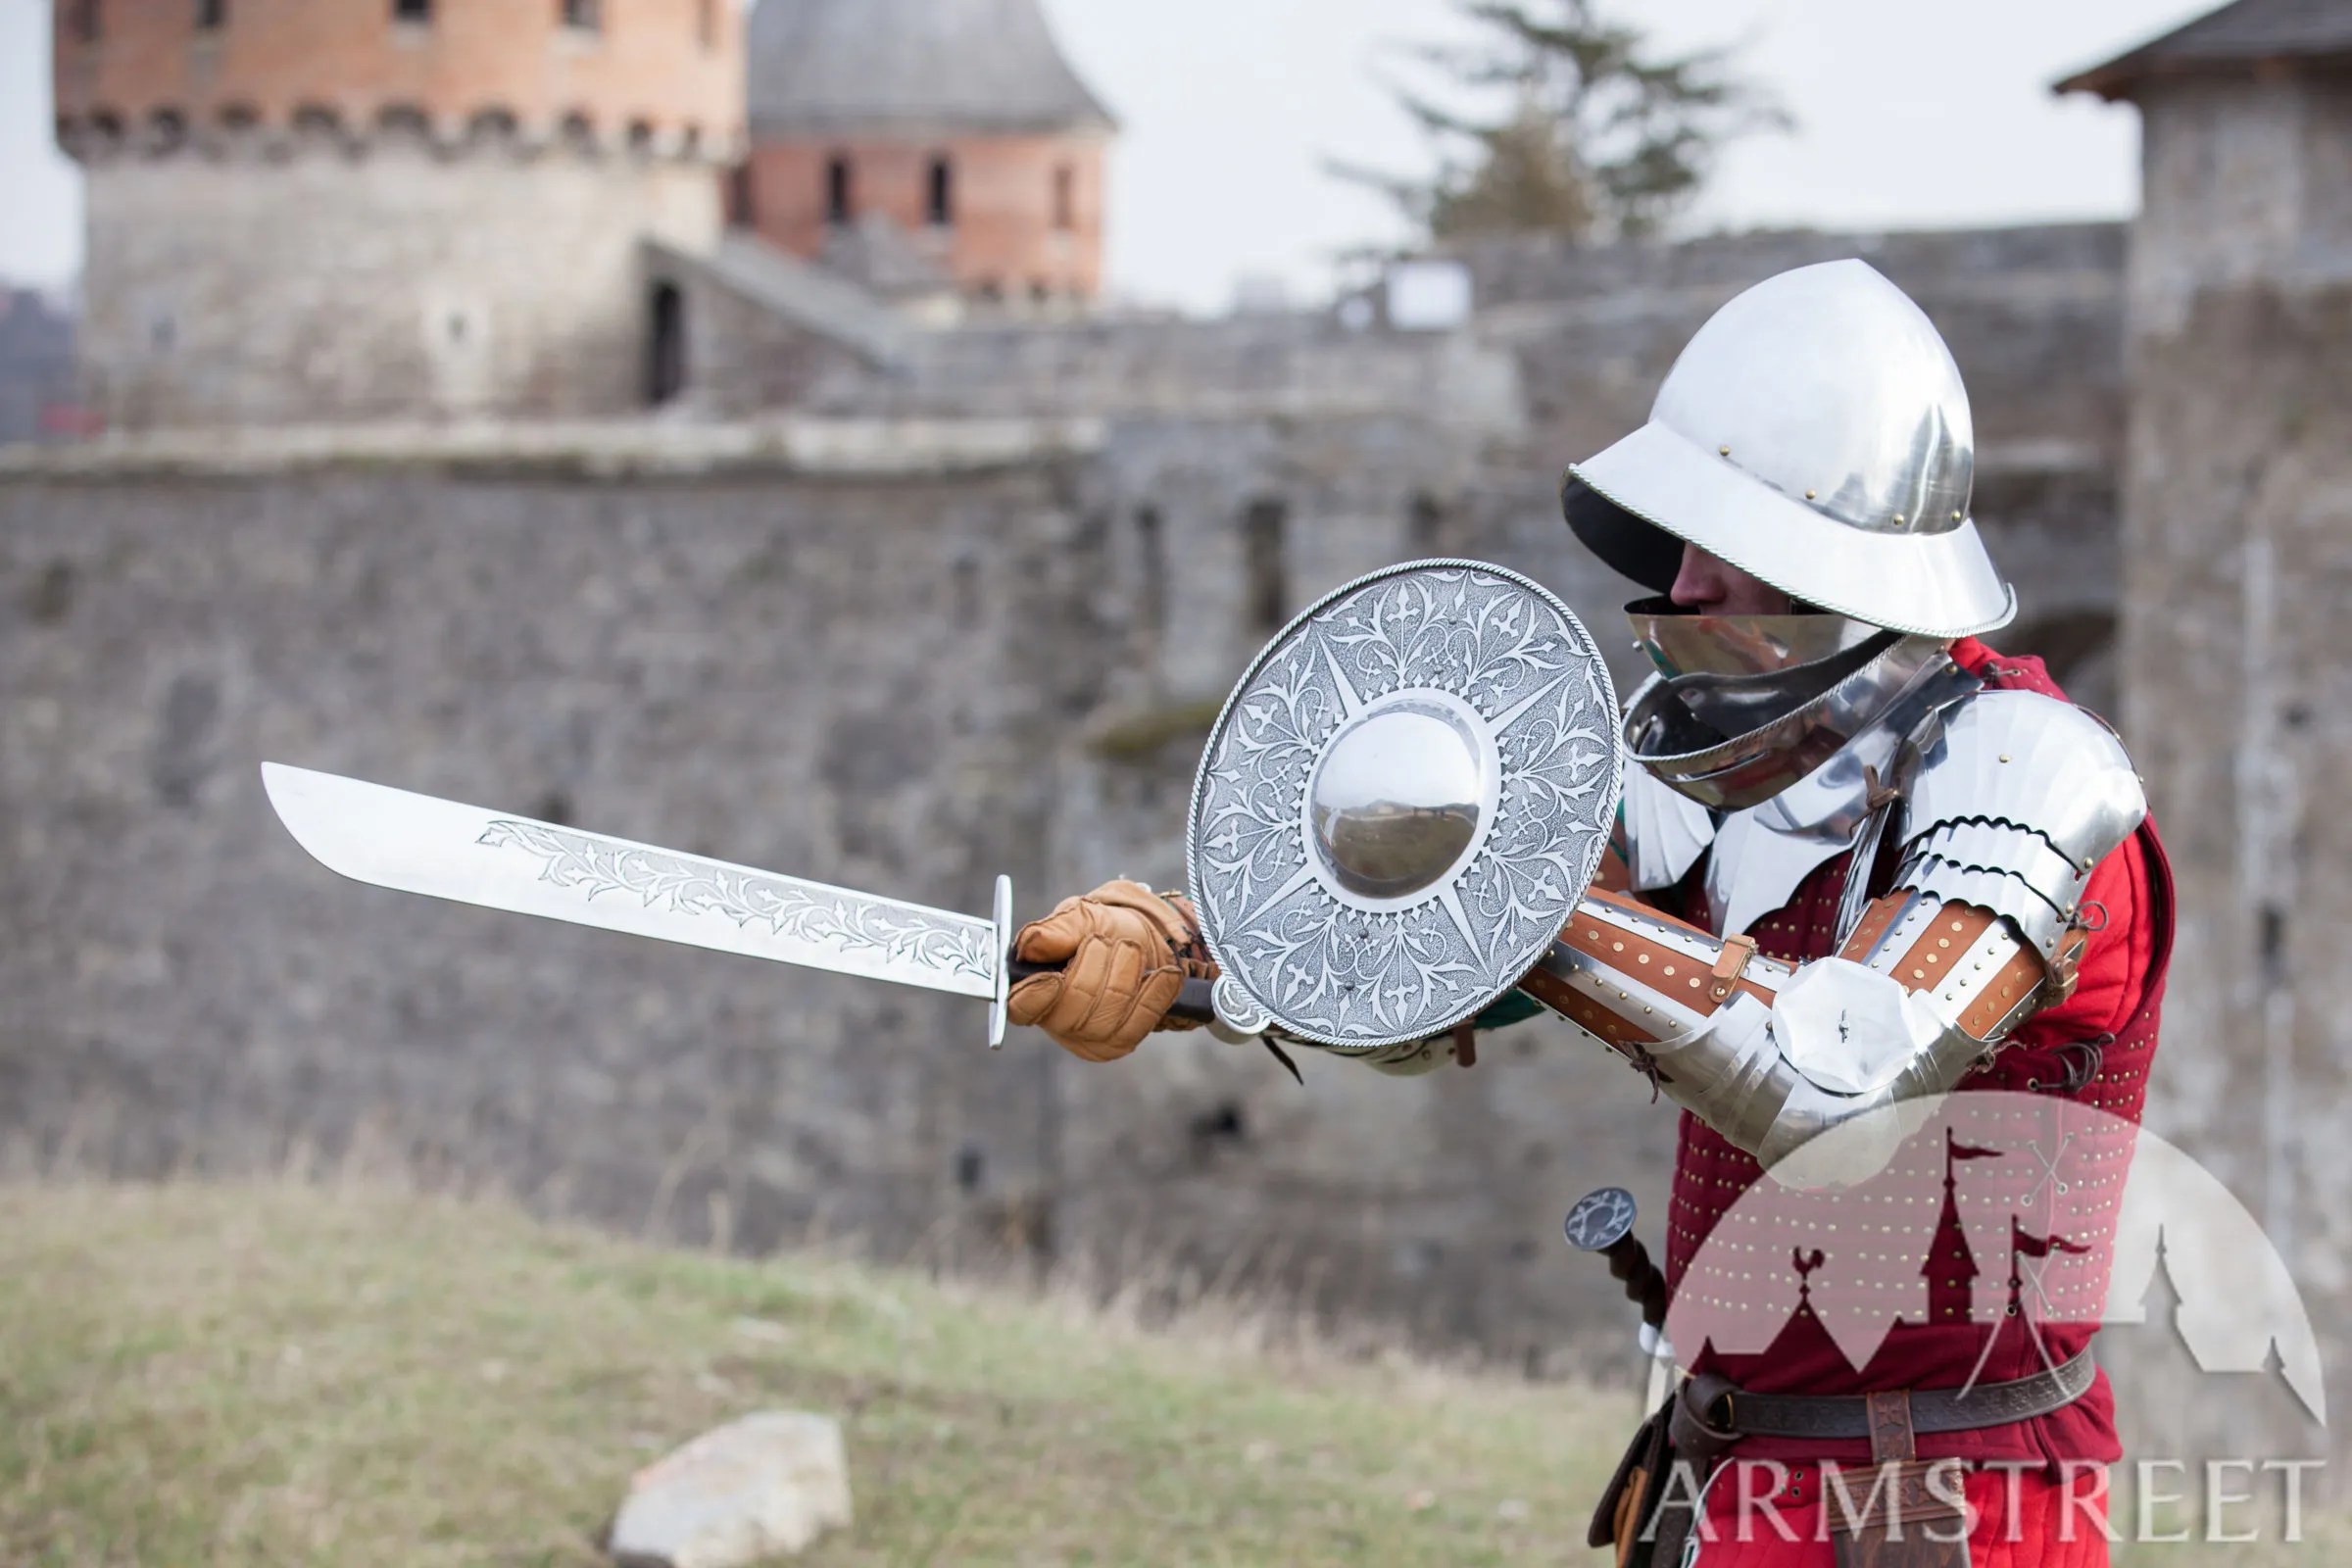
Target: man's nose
<point>1696,585</point>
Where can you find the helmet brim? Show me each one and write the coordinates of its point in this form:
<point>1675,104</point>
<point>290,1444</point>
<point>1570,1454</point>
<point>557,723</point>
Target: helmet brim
<point>1931,585</point>
<point>1628,545</point>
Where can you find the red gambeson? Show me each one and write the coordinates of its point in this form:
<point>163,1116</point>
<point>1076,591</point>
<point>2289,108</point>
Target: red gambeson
<point>2113,1010</point>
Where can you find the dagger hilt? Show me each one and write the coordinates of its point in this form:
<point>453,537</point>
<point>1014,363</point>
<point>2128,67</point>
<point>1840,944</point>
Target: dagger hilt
<point>1603,1221</point>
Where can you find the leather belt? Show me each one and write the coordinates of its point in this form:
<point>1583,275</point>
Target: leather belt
<point>1727,1412</point>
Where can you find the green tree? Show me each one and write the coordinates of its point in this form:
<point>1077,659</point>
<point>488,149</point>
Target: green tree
<point>1585,132</point>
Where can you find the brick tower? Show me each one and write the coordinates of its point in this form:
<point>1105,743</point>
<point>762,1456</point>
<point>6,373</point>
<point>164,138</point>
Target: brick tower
<point>952,132</point>
<point>320,210</point>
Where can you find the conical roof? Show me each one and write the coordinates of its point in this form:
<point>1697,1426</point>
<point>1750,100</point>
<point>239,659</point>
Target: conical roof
<point>836,67</point>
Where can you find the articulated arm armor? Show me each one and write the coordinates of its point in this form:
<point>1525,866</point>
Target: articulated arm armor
<point>2004,817</point>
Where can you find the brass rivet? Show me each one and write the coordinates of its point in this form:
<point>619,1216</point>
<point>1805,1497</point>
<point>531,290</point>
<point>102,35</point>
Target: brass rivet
<point>1898,516</point>
<point>1956,516</point>
<point>1725,451</point>
<point>2004,756</point>
<point>1812,495</point>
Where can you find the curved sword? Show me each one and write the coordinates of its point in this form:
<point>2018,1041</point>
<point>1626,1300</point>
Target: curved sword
<point>395,838</point>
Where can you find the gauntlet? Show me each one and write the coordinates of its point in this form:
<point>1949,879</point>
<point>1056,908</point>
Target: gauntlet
<point>1122,954</point>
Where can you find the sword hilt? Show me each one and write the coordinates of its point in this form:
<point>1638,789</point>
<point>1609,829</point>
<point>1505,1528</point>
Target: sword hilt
<point>1194,1003</point>
<point>1602,1222</point>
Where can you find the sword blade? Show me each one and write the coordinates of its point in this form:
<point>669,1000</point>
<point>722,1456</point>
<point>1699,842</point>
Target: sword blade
<point>395,838</point>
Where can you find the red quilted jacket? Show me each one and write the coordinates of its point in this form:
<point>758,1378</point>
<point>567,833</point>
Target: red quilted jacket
<point>2114,1007</point>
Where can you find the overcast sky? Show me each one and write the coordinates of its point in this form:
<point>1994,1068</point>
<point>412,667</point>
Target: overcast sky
<point>1909,116</point>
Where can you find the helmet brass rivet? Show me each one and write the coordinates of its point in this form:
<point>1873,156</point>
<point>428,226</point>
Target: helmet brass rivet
<point>1956,516</point>
<point>1898,516</point>
<point>1812,495</point>
<point>1725,451</point>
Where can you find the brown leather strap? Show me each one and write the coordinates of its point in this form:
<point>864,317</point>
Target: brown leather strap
<point>1730,964</point>
<point>1890,1438</point>
<point>1732,1413</point>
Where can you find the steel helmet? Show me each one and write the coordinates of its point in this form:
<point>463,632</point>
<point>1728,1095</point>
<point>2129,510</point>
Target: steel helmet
<point>1814,434</point>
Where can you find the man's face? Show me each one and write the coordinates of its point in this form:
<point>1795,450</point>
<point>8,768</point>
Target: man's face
<point>1706,586</point>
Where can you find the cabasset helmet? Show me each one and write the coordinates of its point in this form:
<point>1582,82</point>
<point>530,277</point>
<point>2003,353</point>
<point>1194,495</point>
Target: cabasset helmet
<point>1814,434</point>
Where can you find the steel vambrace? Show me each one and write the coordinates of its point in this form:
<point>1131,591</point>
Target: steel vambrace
<point>1772,1056</point>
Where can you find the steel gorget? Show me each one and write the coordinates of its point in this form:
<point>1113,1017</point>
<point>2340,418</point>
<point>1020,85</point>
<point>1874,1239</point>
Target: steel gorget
<point>1783,725</point>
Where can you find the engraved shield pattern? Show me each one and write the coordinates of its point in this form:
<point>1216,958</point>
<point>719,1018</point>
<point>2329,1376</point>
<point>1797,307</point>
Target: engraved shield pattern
<point>1349,977</point>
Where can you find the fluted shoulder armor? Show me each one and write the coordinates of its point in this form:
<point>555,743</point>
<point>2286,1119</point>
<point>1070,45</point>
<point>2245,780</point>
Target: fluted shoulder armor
<point>2013,804</point>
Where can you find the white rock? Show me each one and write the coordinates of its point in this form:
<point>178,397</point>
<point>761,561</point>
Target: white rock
<point>766,1486</point>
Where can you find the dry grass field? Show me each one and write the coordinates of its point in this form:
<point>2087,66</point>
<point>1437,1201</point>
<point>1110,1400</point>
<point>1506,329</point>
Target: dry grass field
<point>282,1373</point>
<point>278,1374</point>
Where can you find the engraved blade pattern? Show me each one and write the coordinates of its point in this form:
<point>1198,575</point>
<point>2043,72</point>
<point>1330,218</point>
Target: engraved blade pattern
<point>417,843</point>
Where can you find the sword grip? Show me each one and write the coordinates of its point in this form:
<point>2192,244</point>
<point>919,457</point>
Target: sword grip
<point>1193,1004</point>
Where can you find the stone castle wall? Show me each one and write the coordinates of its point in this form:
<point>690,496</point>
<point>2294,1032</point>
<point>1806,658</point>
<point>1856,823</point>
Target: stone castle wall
<point>888,643</point>
<point>901,680</point>
<point>398,281</point>
<point>2237,559</point>
<point>316,209</point>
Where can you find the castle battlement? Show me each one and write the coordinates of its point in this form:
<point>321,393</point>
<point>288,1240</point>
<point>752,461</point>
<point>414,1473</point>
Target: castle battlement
<point>659,78</point>
<point>233,136</point>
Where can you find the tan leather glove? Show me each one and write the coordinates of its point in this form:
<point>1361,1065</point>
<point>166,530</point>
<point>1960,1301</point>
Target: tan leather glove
<point>1125,952</point>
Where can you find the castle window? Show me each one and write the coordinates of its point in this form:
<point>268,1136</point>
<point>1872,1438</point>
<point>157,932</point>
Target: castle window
<point>665,345</point>
<point>585,14</point>
<point>940,208</point>
<point>837,190</point>
<point>1265,567</point>
<point>743,197</point>
<point>418,12</point>
<point>705,23</point>
<point>211,14</point>
<point>86,21</point>
<point>1066,198</point>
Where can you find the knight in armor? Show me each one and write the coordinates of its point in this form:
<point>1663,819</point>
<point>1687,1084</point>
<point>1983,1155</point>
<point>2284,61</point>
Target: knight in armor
<point>1863,859</point>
